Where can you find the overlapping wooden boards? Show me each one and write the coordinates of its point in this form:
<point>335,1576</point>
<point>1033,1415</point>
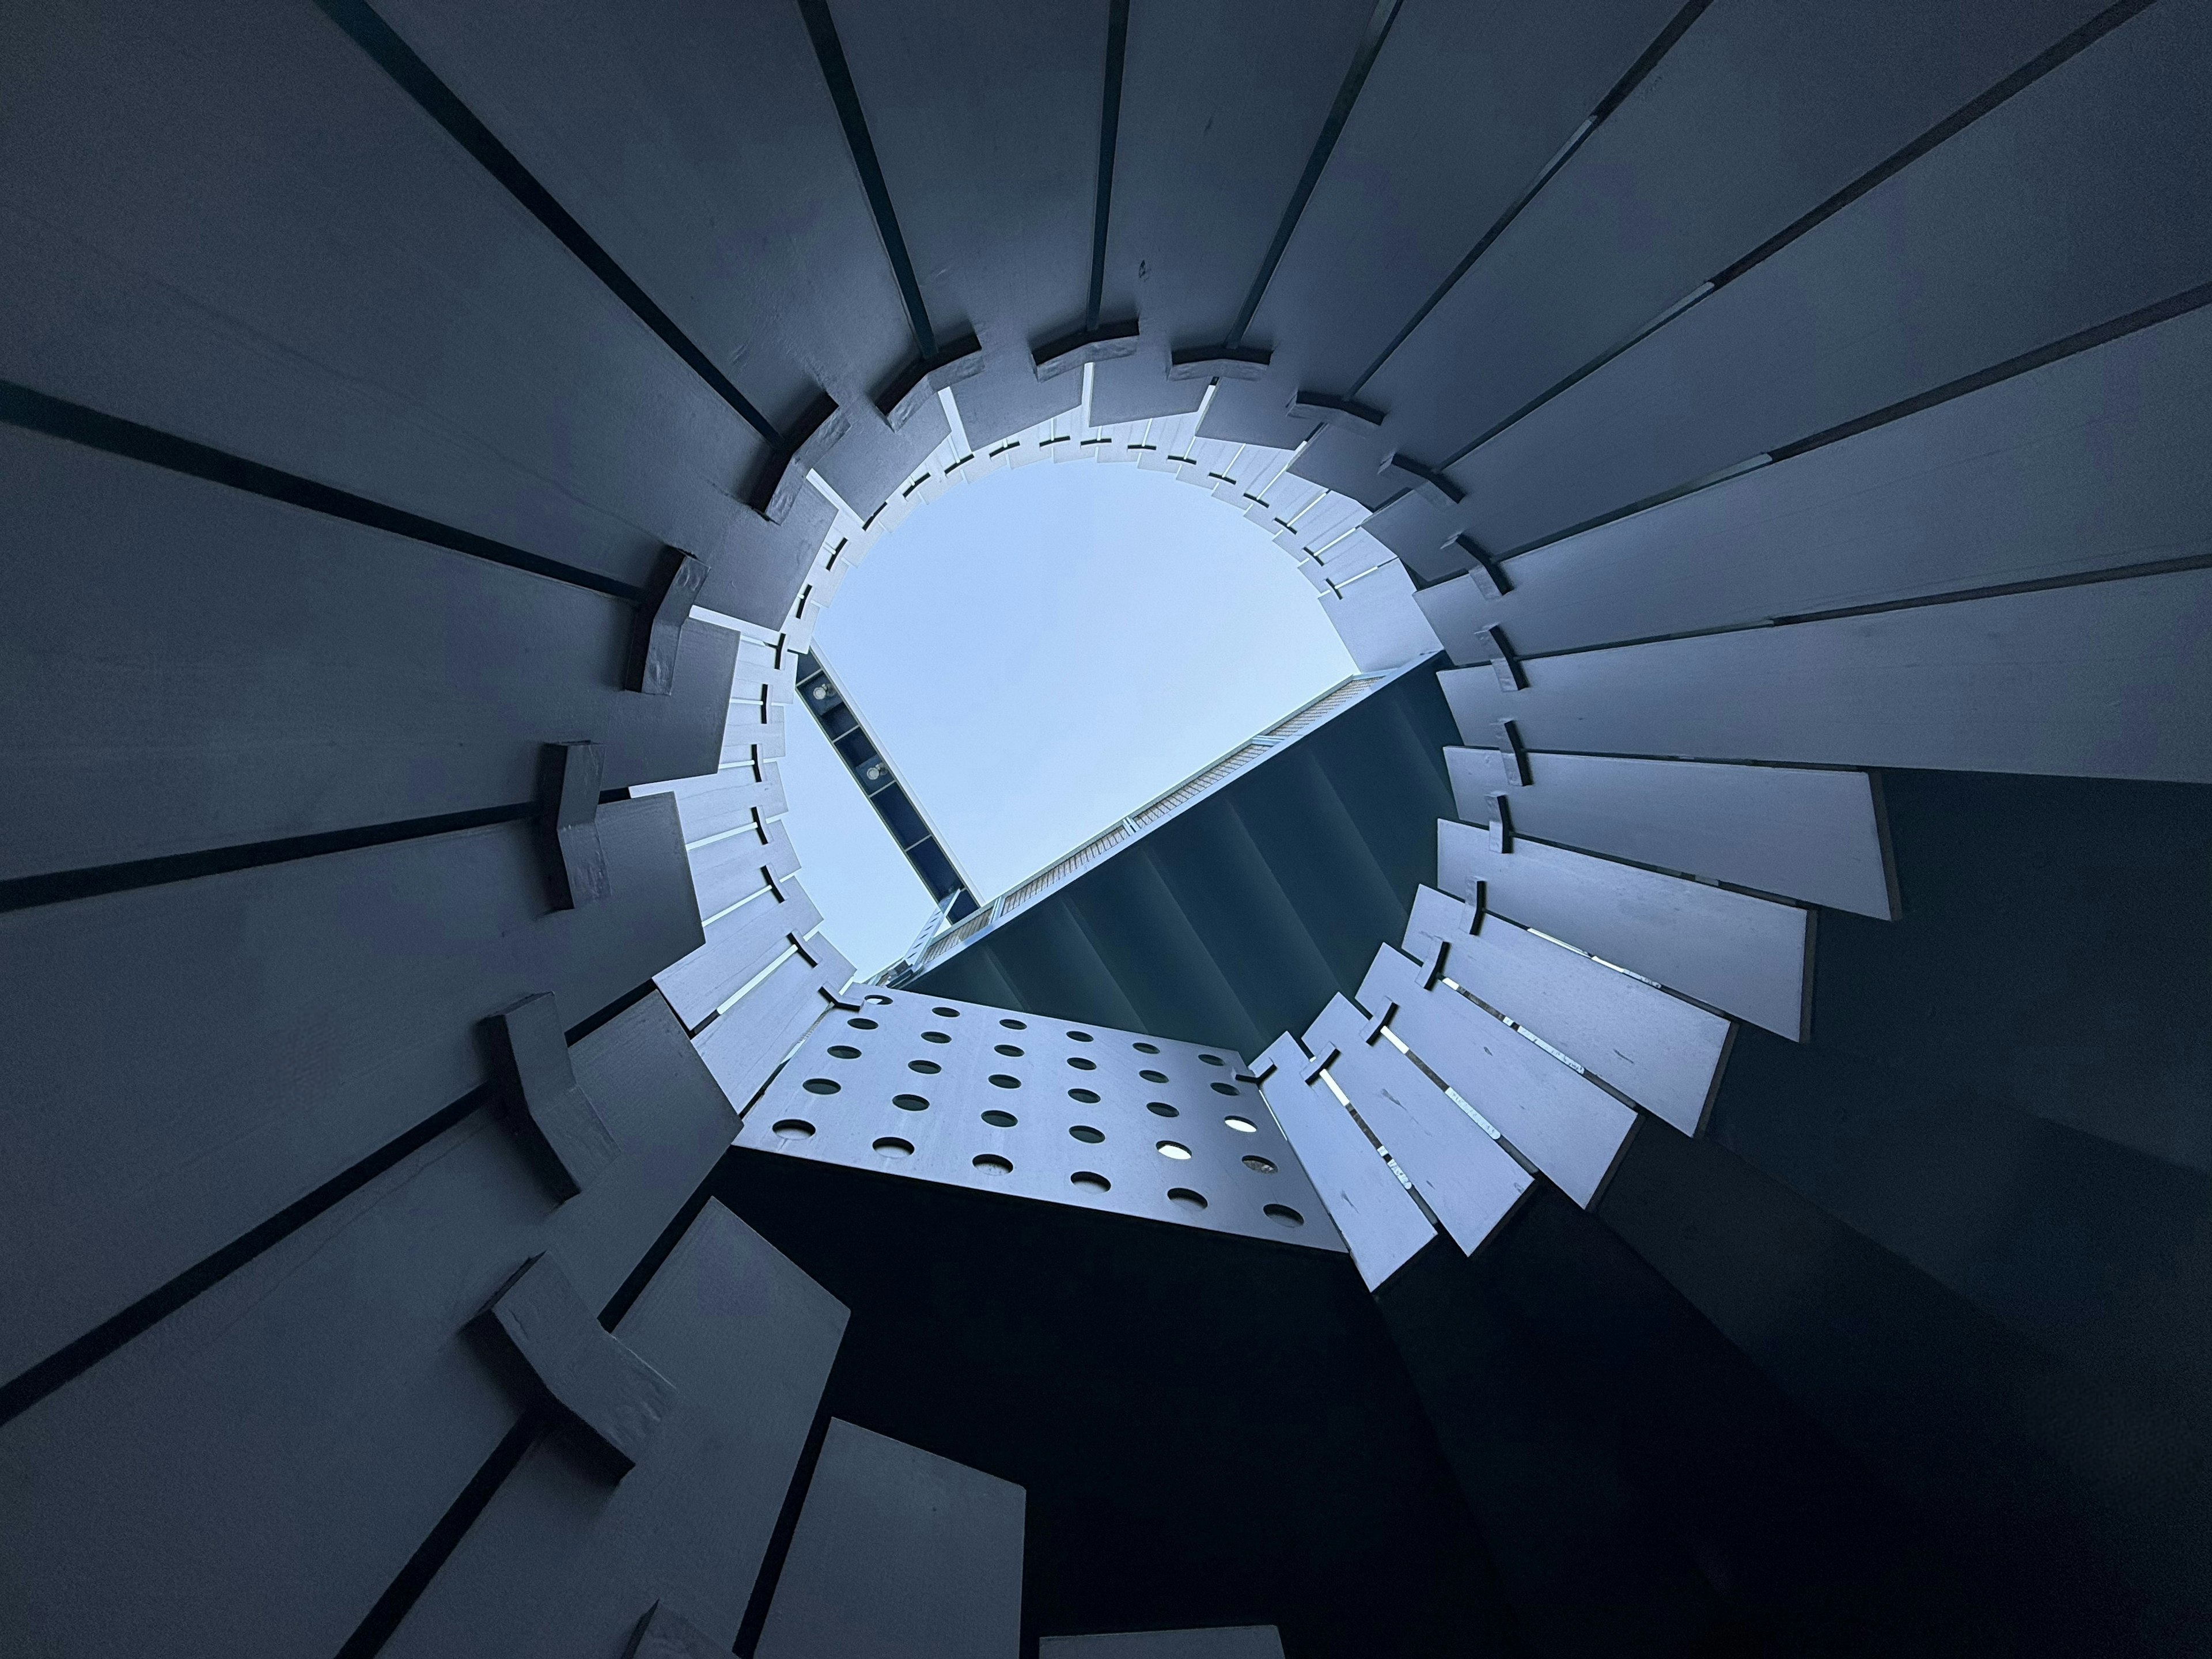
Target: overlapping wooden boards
<point>2106,679</point>
<point>246,1477</point>
<point>1381,1224</point>
<point>185,1060</point>
<point>899,1554</point>
<point>738,945</point>
<point>720,802</point>
<point>729,871</point>
<point>562,1564</point>
<point>1814,836</point>
<point>749,1039</point>
<point>1748,956</point>
<point>236,228</point>
<point>188,666</point>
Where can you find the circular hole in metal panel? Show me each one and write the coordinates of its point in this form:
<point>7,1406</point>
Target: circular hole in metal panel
<point>999,1119</point>
<point>1161,1109</point>
<point>1090,1182</point>
<point>1260,1165</point>
<point>999,1080</point>
<point>892,1146</point>
<point>1284,1216</point>
<point>1153,1077</point>
<point>946,1013</point>
<point>991,1163</point>
<point>910,1102</point>
<point>1145,1048</point>
<point>1223,1088</point>
<point>935,1036</point>
<point>1007,1049</point>
<point>843,1051</point>
<point>860,1023</point>
<point>1174,1149</point>
<point>1214,1060</point>
<point>1081,1064</point>
<point>927,1067</point>
<point>820,1085</point>
<point>1244,1126</point>
<point>1187,1199</point>
<point>1087,1096</point>
<point>1079,1036</point>
<point>1015,1024</point>
<point>794,1128</point>
<point>885,1001</point>
<point>1087,1135</point>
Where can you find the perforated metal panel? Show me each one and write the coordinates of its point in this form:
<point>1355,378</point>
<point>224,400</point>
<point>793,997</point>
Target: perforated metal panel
<point>970,1096</point>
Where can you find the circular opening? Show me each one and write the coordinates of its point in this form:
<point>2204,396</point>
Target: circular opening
<point>1187,1199</point>
<point>1153,1077</point>
<point>991,1163</point>
<point>910,1102</point>
<point>884,1001</point>
<point>1085,1096</point>
<point>1081,1064</point>
<point>794,1128</point>
<point>1015,1024</point>
<point>1161,1109</point>
<point>935,1036</point>
<point>1145,1048</point>
<point>843,1051</point>
<point>1007,1049</point>
<point>1176,1149</point>
<point>946,1013</point>
<point>1214,1060</point>
<point>927,1067</point>
<point>1087,1135</point>
<point>1260,1165</point>
<point>1223,1088</point>
<point>1090,1182</point>
<point>1001,1080</point>
<point>820,1085</point>
<point>1079,1036</point>
<point>892,1146</point>
<point>861,1024</point>
<point>999,1119</point>
<point>1244,1126</point>
<point>1284,1216</point>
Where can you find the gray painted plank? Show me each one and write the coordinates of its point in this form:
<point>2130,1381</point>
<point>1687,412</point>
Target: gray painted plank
<point>899,1554</point>
<point>186,666</point>
<point>1221,1642</point>
<point>303,268</point>
<point>746,1043</point>
<point>248,1476</point>
<point>2091,463</point>
<point>1748,956</point>
<point>1380,1223</point>
<point>2072,204</point>
<point>1814,836</point>
<point>1662,1053</point>
<point>1459,115</point>
<point>1471,1183</point>
<point>748,739</point>
<point>1221,104</point>
<point>729,871</point>
<point>700,147</point>
<point>285,1022</point>
<point>722,801</point>
<point>737,946</point>
<point>1555,1117</point>
<point>1690,174</point>
<point>2109,679</point>
<point>560,1566</point>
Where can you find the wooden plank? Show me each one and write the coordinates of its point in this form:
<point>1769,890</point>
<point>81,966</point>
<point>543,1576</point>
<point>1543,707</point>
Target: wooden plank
<point>2107,679</point>
<point>1662,1053</point>
<point>1381,1224</point>
<point>729,871</point>
<point>2072,204</point>
<point>2091,463</point>
<point>738,945</point>
<point>1814,836</point>
<point>248,1476</point>
<point>1748,956</point>
<point>1470,1183</point>
<point>284,1022</point>
<point>186,666</point>
<point>1550,1114</point>
<point>722,801</point>
<point>562,1565</point>
<point>1688,175</point>
<point>754,741</point>
<point>899,1554</point>
<point>746,1043</point>
<point>301,268</point>
<point>1378,620</point>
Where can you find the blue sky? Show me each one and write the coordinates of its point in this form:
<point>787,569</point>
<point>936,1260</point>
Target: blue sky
<point>1040,653</point>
